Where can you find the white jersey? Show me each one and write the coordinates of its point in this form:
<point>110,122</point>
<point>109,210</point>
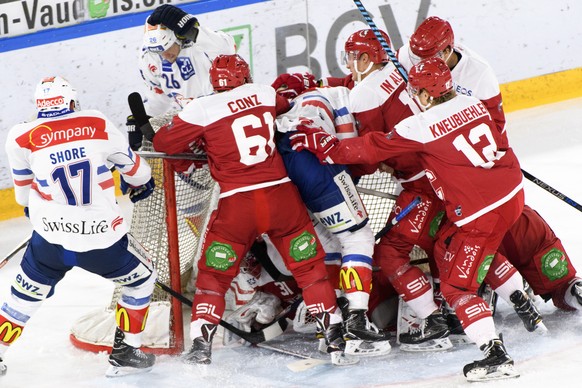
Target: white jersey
<point>472,75</point>
<point>327,107</point>
<point>61,171</point>
<point>171,85</point>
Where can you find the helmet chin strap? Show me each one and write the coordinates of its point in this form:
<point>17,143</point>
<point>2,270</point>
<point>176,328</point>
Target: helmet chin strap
<point>360,73</point>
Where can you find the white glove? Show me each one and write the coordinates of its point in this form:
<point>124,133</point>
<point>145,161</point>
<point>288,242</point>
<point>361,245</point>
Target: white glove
<point>262,309</point>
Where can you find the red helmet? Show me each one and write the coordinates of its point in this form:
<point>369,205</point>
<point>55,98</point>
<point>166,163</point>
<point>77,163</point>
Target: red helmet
<point>432,36</point>
<point>365,41</point>
<point>229,71</point>
<point>431,74</point>
<point>292,85</point>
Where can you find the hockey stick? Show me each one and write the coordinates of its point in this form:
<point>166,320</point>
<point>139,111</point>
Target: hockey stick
<point>138,111</point>
<point>269,332</point>
<point>397,219</point>
<point>381,39</point>
<point>552,191</point>
<point>13,252</point>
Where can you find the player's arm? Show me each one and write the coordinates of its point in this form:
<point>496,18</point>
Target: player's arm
<point>178,137</point>
<point>20,169</point>
<point>135,172</point>
<point>156,97</point>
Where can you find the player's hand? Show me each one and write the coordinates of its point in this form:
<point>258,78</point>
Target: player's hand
<point>315,140</point>
<point>137,193</point>
<point>184,25</point>
<point>134,136</point>
<point>292,85</point>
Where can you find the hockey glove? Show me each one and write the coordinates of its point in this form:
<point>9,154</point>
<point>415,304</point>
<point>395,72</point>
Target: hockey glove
<point>315,140</point>
<point>137,193</point>
<point>184,25</point>
<point>134,136</point>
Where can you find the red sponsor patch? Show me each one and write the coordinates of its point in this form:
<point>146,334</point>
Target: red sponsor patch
<point>58,132</point>
<point>50,102</point>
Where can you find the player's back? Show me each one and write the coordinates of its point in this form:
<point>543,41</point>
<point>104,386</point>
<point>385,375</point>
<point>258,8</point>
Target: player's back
<point>72,194</point>
<point>238,131</point>
<point>461,157</point>
<point>380,101</point>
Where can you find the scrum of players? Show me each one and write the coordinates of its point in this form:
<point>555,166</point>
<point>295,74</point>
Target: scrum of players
<point>287,158</point>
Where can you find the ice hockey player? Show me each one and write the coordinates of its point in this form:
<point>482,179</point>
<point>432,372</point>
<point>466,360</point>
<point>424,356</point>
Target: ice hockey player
<point>538,244</point>
<point>379,101</point>
<point>331,196</point>
<point>174,61</point>
<point>254,186</point>
<point>479,213</point>
<point>60,164</point>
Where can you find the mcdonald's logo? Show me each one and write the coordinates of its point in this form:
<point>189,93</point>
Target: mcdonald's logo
<point>9,333</point>
<point>122,319</point>
<point>350,279</point>
<point>131,321</point>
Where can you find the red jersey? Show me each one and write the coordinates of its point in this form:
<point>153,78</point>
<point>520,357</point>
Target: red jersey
<point>238,132</point>
<point>457,144</point>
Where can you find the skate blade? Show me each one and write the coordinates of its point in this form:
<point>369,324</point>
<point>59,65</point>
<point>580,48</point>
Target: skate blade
<point>363,348</point>
<point>120,371</point>
<point>342,359</point>
<point>435,345</point>
<point>541,329</point>
<point>488,374</point>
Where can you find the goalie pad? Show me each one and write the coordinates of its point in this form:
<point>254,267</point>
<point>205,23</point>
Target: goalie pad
<point>259,311</point>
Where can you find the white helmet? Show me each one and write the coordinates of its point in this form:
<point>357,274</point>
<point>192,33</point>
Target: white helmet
<point>54,94</point>
<point>158,38</point>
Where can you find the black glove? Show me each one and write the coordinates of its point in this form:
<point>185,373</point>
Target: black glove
<point>137,193</point>
<point>184,25</point>
<point>134,136</point>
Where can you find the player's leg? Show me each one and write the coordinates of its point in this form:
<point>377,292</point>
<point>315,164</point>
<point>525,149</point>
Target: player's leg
<point>40,270</point>
<point>226,243</point>
<point>464,255</point>
<point>392,255</point>
<point>538,254</point>
<point>507,282</point>
<point>292,232</point>
<point>126,264</point>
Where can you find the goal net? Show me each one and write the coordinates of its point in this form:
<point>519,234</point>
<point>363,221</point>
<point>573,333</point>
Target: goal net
<point>170,224</point>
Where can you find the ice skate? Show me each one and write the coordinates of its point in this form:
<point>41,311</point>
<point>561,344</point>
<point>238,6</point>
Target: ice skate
<point>496,365</point>
<point>362,337</point>
<point>201,350</point>
<point>431,335</point>
<point>126,360</point>
<point>3,367</point>
<point>334,339</point>
<point>527,312</point>
<point>576,291</point>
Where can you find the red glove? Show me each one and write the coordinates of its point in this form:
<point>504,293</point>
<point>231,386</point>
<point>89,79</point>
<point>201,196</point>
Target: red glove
<point>292,85</point>
<point>315,140</point>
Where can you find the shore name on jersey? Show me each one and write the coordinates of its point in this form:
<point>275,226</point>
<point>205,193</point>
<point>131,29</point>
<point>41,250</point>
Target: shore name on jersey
<point>83,227</point>
<point>244,103</point>
<point>66,155</point>
<point>458,119</point>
